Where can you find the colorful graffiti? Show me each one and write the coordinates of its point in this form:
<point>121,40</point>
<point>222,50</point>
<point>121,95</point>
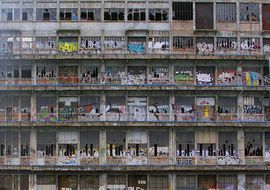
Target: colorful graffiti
<point>45,115</point>
<point>136,47</point>
<point>183,76</point>
<point>228,78</point>
<point>68,47</point>
<point>251,78</point>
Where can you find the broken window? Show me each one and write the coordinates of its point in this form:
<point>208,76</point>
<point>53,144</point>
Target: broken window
<point>67,110</point>
<point>136,75</point>
<point>206,182</point>
<point>114,42</point>
<point>184,108</point>
<point>46,108</point>
<point>227,76</point>
<point>254,182</point>
<point>116,182</point>
<point>136,44</point>
<point>227,144</point>
<point>159,108</point>
<point>182,42</point>
<point>46,143</point>
<point>89,108</point>
<point>137,181</point>
<point>136,147</point>
<point>159,182</point>
<point>226,12</point>
<point>90,74</point>
<point>68,75</point>
<point>89,182</point>
<point>46,45</point>
<point>12,143</point>
<point>25,143</point>
<point>116,108</point>
<point>137,108</point>
<point>158,75</point>
<point>226,43</point>
<point>44,181</point>
<point>27,14</point>
<point>249,12</point>
<point>158,44</point>
<point>204,16</point>
<point>68,14</point>
<point>27,44</point>
<point>25,108</point>
<point>67,147</point>
<point>90,14</point>
<point>227,104</point>
<point>136,14</point>
<point>250,44</point>
<point>114,75</point>
<point>206,143</point>
<point>205,75</point>
<point>6,45</point>
<point>251,76</point>
<point>205,46</point>
<point>26,72</point>
<point>183,74</point>
<point>185,182</point>
<point>185,144</point>
<point>227,181</point>
<point>116,142</point>
<point>159,143</point>
<point>89,144</point>
<point>114,14</point>
<point>46,14</point>
<point>67,182</point>
<point>11,14</point>
<point>158,14</point>
<point>46,74</point>
<point>253,144</point>
<point>7,181</point>
<point>182,10</point>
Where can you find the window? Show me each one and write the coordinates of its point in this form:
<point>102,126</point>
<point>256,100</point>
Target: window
<point>158,75</point>
<point>205,75</point>
<point>89,108</point>
<point>227,105</point>
<point>90,74</point>
<point>265,16</point>
<point>27,44</point>
<point>88,14</point>
<point>205,46</point>
<point>182,10</point>
<point>227,76</point>
<point>226,12</point>
<point>46,143</point>
<point>112,74</point>
<point>24,182</point>
<point>185,182</point>
<point>7,179</point>
<point>183,42</point>
<point>116,143</point>
<point>115,108</point>
<point>254,182</point>
<point>204,16</point>
<point>137,182</point>
<point>227,142</point>
<point>25,143</point>
<point>249,12</point>
<point>253,144</point>
<point>7,14</point>
<point>26,72</point>
<point>46,43</point>
<point>206,182</point>
<point>158,14</point>
<point>46,181</point>
<point>114,14</point>
<point>89,144</point>
<point>46,108</point>
<point>226,43</point>
<point>25,108</point>
<point>185,144</point>
<point>27,14</point>
<point>251,76</point>
<point>67,182</point>
<point>136,14</point>
<point>158,44</point>
<point>158,182</point>
<point>88,182</point>
<point>159,143</point>
<point>250,44</point>
<point>69,14</point>
<point>114,42</point>
<point>91,42</point>
<point>227,182</point>
<point>158,108</point>
<point>12,144</point>
<point>46,14</point>
<point>184,74</point>
<point>116,182</point>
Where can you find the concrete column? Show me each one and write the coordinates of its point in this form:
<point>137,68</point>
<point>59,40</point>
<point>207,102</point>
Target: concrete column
<point>33,103</point>
<point>34,10</point>
<point>79,145</point>
<point>20,105</point>
<point>171,23</point>
<point>102,182</point>
<point>194,16</point>
<point>102,67</point>
<point>214,17</point>
<point>241,145</point>
<point>103,107</point>
<point>172,146</point>
<point>0,10</point>
<point>172,184</point>
<point>32,181</point>
<point>171,71</point>
<point>102,147</point>
<point>171,102</point>
<point>241,181</point>
<point>33,146</point>
<point>238,25</point>
<point>240,106</point>
<point>33,72</point>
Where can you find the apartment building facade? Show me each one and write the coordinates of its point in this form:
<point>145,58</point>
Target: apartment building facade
<point>134,95</point>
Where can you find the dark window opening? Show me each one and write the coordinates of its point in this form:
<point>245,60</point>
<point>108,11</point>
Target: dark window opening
<point>182,11</point>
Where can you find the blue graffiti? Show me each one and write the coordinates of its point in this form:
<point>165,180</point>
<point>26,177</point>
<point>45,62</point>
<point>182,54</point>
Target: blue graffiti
<point>137,48</point>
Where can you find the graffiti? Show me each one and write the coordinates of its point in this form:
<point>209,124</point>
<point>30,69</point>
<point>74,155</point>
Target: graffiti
<point>115,113</point>
<point>132,79</point>
<point>227,45</point>
<point>68,47</point>
<point>185,161</point>
<point>90,77</point>
<point>249,45</point>
<point>158,46</point>
<point>205,101</point>
<point>204,78</point>
<point>228,78</point>
<point>158,113</point>
<point>266,48</point>
<point>253,109</point>
<point>228,160</point>
<point>67,113</point>
<point>114,44</point>
<point>89,112</point>
<point>183,76</point>
<point>46,73</point>
<point>205,49</point>
<point>45,115</point>
<point>136,47</point>
<point>251,78</point>
<point>67,160</point>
